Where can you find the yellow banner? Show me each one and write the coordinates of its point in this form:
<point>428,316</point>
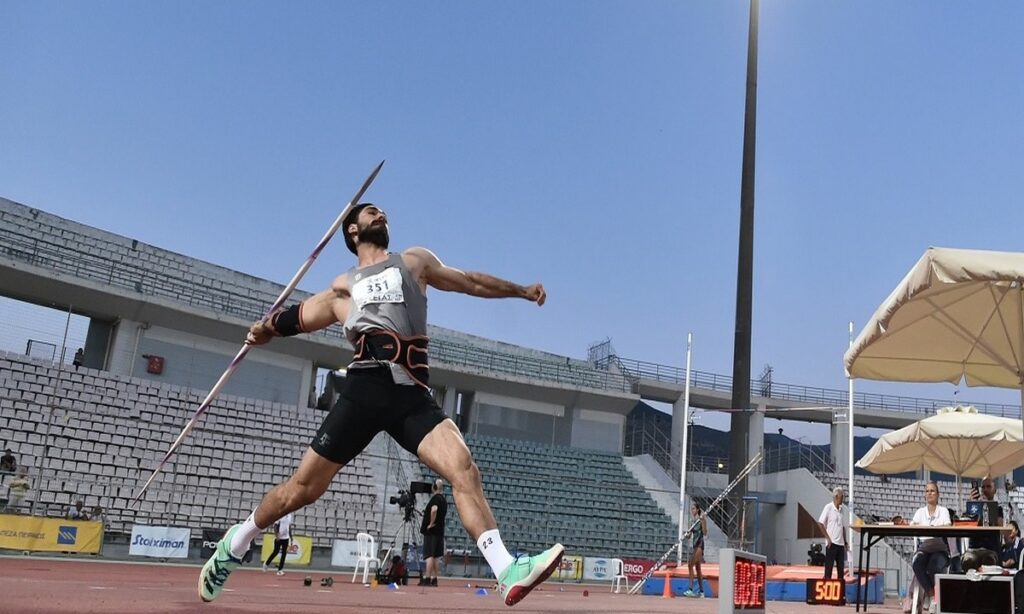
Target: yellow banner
<point>300,549</point>
<point>39,534</point>
<point>571,568</point>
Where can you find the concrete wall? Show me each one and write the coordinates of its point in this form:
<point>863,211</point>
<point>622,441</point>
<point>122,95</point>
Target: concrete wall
<point>515,417</point>
<point>597,430</point>
<point>198,363</point>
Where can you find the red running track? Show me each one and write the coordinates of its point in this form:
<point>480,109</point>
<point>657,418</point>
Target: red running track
<point>38,584</point>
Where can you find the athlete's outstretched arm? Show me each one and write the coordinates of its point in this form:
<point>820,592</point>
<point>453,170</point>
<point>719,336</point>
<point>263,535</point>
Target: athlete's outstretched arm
<point>434,273</point>
<point>317,312</point>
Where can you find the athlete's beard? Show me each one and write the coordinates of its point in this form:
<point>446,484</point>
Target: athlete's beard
<point>375,234</point>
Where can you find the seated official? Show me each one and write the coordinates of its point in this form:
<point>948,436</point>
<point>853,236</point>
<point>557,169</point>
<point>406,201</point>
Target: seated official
<point>933,553</point>
<point>396,572</point>
<point>1009,555</point>
<point>987,493</point>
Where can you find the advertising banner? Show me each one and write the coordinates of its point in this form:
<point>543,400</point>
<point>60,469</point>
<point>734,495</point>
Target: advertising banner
<point>571,568</point>
<point>300,549</point>
<point>636,568</point>
<point>210,539</point>
<point>344,553</point>
<point>597,568</point>
<point>160,542</point>
<point>39,534</point>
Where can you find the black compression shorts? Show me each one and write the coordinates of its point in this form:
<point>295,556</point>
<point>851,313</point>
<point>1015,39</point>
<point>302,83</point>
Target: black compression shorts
<point>370,402</point>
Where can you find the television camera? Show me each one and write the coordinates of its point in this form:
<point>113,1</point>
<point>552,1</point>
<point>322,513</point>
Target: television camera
<point>406,499</point>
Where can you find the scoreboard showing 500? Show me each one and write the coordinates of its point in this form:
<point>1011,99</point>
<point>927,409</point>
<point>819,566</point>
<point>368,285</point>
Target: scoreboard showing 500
<point>826,592</point>
<point>742,582</point>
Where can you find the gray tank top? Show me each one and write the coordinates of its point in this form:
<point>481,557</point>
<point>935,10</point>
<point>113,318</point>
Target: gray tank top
<point>385,297</point>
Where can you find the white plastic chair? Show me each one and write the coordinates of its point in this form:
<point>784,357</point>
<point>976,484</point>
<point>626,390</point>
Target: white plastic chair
<point>367,549</point>
<point>619,575</point>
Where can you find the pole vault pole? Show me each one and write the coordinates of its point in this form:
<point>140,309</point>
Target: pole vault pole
<point>682,454</point>
<point>718,500</point>
<point>237,360</point>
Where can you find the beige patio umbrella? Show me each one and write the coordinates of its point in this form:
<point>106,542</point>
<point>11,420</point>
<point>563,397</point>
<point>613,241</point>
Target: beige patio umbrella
<point>958,441</point>
<point>957,315</point>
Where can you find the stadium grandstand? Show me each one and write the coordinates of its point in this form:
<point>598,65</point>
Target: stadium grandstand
<point>159,327</point>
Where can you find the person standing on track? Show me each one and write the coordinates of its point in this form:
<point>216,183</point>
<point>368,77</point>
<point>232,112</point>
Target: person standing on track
<point>282,539</point>
<point>432,529</point>
<point>382,306</point>
<point>696,534</point>
<point>832,522</point>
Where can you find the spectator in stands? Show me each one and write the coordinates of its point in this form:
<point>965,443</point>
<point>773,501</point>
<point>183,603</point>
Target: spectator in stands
<point>932,554</point>
<point>17,490</point>
<point>283,537</point>
<point>78,511</point>
<point>1009,556</point>
<point>833,523</point>
<point>382,306</point>
<point>432,529</point>
<point>79,357</point>
<point>696,535</point>
<point>8,464</point>
<point>396,572</point>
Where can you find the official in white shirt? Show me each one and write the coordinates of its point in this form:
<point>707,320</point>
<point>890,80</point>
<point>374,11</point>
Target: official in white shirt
<point>833,522</point>
<point>933,553</point>
<point>283,540</point>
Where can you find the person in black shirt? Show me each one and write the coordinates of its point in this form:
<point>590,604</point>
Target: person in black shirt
<point>988,493</point>
<point>433,533</point>
<point>8,464</point>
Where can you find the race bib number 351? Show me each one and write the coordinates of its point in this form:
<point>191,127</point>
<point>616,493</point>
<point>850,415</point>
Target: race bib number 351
<point>384,287</point>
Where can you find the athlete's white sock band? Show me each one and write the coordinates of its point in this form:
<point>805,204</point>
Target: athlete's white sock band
<point>494,551</point>
<point>243,537</point>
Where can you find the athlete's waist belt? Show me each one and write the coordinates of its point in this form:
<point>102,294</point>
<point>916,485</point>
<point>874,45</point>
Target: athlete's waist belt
<point>408,352</point>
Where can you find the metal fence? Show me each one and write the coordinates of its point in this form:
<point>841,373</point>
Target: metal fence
<point>830,397</point>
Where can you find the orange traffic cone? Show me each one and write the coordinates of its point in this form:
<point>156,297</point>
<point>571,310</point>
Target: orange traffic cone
<point>667,593</point>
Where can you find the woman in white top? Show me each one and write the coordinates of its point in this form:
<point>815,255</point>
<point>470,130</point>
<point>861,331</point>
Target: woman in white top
<point>932,554</point>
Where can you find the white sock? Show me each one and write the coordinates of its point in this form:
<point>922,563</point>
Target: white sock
<point>243,537</point>
<point>494,551</point>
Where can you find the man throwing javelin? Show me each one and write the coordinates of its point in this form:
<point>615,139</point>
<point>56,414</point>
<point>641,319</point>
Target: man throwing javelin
<point>382,306</point>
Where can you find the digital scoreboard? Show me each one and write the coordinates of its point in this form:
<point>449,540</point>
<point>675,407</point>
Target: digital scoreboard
<point>826,592</point>
<point>742,580</point>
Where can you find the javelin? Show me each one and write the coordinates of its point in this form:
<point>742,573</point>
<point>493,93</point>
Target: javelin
<point>245,347</point>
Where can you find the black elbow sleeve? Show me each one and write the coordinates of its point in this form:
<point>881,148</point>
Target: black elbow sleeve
<point>288,323</point>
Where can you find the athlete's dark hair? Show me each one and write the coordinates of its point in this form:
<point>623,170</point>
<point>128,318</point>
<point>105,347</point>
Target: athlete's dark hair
<point>351,219</point>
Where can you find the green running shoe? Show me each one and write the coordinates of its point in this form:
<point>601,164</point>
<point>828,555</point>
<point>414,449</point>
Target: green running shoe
<point>689,593</point>
<point>216,571</point>
<point>525,573</point>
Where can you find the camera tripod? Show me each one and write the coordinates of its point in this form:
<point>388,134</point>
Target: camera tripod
<point>410,549</point>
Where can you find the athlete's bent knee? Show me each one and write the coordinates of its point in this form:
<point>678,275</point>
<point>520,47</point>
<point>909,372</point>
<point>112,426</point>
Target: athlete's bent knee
<point>467,476</point>
<point>302,494</point>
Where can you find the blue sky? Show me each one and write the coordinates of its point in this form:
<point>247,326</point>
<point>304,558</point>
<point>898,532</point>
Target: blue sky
<point>593,146</point>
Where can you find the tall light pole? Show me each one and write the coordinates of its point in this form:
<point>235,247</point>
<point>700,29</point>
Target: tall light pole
<point>740,418</point>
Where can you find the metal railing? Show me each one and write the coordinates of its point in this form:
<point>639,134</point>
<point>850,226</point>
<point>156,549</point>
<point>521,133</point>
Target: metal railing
<point>613,373</point>
<point>832,397</point>
<point>196,292</point>
<point>644,437</point>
